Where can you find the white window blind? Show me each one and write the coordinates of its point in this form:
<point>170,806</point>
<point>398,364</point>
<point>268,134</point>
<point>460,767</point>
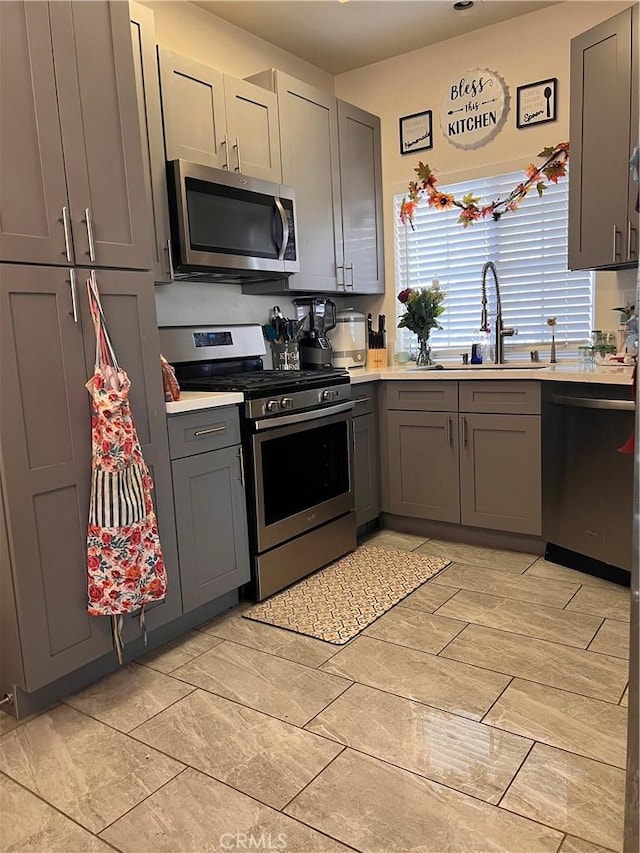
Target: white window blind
<point>529,249</point>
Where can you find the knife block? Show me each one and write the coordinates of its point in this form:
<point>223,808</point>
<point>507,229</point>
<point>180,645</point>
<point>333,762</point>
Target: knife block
<point>376,358</point>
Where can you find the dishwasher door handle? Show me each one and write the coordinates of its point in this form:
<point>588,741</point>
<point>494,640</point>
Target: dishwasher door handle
<point>591,403</point>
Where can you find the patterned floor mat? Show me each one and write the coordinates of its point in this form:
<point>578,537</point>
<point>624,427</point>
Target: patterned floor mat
<point>339,601</point>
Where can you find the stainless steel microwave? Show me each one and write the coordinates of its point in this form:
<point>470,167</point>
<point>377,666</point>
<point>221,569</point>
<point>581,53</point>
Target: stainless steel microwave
<point>228,227</point>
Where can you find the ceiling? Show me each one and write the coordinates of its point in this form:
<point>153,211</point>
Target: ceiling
<point>340,35</point>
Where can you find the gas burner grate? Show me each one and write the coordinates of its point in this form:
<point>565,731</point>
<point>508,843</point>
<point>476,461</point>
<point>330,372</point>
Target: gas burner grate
<point>265,381</point>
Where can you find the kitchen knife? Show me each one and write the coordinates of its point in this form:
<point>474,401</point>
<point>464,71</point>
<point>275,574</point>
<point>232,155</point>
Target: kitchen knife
<point>369,331</point>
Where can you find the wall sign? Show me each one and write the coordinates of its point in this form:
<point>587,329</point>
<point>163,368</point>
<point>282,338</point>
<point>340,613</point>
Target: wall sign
<point>537,102</point>
<point>416,132</point>
<point>474,108</point>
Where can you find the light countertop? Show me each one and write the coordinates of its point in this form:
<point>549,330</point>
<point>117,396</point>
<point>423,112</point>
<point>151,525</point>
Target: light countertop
<point>191,401</point>
<point>569,372</point>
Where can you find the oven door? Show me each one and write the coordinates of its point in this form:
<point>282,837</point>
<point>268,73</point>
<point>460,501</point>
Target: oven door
<point>302,472</point>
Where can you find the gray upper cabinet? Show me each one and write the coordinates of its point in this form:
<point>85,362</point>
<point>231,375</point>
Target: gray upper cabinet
<point>193,111</point>
<point>603,217</point>
<point>68,89</point>
<point>252,128</point>
<point>338,197</point>
<point>145,64</point>
<point>310,163</point>
<point>46,356</point>
<point>33,192</point>
<point>361,184</point>
<point>215,120</point>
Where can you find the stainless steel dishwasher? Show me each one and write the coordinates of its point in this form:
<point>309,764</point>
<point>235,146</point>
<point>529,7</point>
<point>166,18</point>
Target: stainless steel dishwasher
<point>587,497</point>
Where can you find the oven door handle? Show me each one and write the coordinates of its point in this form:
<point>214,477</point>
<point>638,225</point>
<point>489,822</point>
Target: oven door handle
<point>303,417</point>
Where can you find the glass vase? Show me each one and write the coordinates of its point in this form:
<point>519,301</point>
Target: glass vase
<point>424,359</point>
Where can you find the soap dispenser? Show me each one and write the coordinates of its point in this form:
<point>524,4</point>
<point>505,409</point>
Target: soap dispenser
<point>477,344</point>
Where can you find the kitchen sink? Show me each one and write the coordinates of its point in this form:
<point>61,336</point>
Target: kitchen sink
<point>512,365</point>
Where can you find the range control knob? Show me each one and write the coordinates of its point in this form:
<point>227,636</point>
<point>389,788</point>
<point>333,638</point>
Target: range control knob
<point>286,403</point>
<point>272,406</point>
<point>326,395</point>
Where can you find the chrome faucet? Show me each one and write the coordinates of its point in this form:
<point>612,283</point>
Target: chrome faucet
<point>501,332</point>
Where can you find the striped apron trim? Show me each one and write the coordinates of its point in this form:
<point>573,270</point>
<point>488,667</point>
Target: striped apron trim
<point>117,497</point>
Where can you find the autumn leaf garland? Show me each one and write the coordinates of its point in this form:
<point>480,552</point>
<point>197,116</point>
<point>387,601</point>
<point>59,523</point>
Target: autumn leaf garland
<point>553,168</point>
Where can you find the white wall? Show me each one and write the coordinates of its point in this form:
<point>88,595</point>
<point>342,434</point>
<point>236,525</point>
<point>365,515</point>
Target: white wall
<point>191,31</point>
<point>522,50</point>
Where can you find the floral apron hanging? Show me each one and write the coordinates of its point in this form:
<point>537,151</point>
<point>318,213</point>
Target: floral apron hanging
<point>124,559</point>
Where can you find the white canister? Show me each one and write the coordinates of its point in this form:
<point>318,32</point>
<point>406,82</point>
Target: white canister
<point>349,339</point>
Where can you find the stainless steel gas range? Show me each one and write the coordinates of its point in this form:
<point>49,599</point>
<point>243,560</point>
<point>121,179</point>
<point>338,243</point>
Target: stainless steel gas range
<point>296,440</point>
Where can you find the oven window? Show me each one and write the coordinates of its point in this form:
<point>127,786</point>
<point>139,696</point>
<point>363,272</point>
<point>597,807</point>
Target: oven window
<point>304,469</point>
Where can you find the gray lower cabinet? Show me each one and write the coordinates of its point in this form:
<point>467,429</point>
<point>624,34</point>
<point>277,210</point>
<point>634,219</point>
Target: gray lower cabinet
<point>209,498</point>
<point>476,462</point>
<point>500,472</point>
<point>423,465</point>
<point>71,178</point>
<point>603,215</point>
<point>46,356</point>
<point>366,454</point>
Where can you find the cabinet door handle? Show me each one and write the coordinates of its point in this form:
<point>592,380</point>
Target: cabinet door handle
<point>67,233</point>
<point>225,142</point>
<point>74,294</point>
<point>200,432</point>
<point>237,147</point>
<point>449,435</point>
<point>616,253</point>
<point>630,230</point>
<point>171,269</point>
<point>464,432</point>
<point>241,460</point>
<point>342,283</point>
<point>349,267</point>
<point>89,223</point>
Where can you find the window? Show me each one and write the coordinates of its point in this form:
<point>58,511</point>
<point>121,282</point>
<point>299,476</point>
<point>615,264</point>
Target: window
<point>529,249</point>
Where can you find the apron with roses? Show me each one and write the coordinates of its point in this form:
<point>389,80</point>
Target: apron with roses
<point>124,558</point>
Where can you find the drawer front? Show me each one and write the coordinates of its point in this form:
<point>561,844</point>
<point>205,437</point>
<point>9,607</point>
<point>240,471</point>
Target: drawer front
<point>199,432</point>
<point>422,396</point>
<point>364,397</point>
<point>500,397</point>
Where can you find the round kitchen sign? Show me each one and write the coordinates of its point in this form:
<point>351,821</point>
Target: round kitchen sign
<point>474,108</point>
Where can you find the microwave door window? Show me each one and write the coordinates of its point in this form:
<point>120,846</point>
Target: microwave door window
<point>225,220</point>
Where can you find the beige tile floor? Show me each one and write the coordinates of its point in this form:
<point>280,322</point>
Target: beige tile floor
<point>485,712</point>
